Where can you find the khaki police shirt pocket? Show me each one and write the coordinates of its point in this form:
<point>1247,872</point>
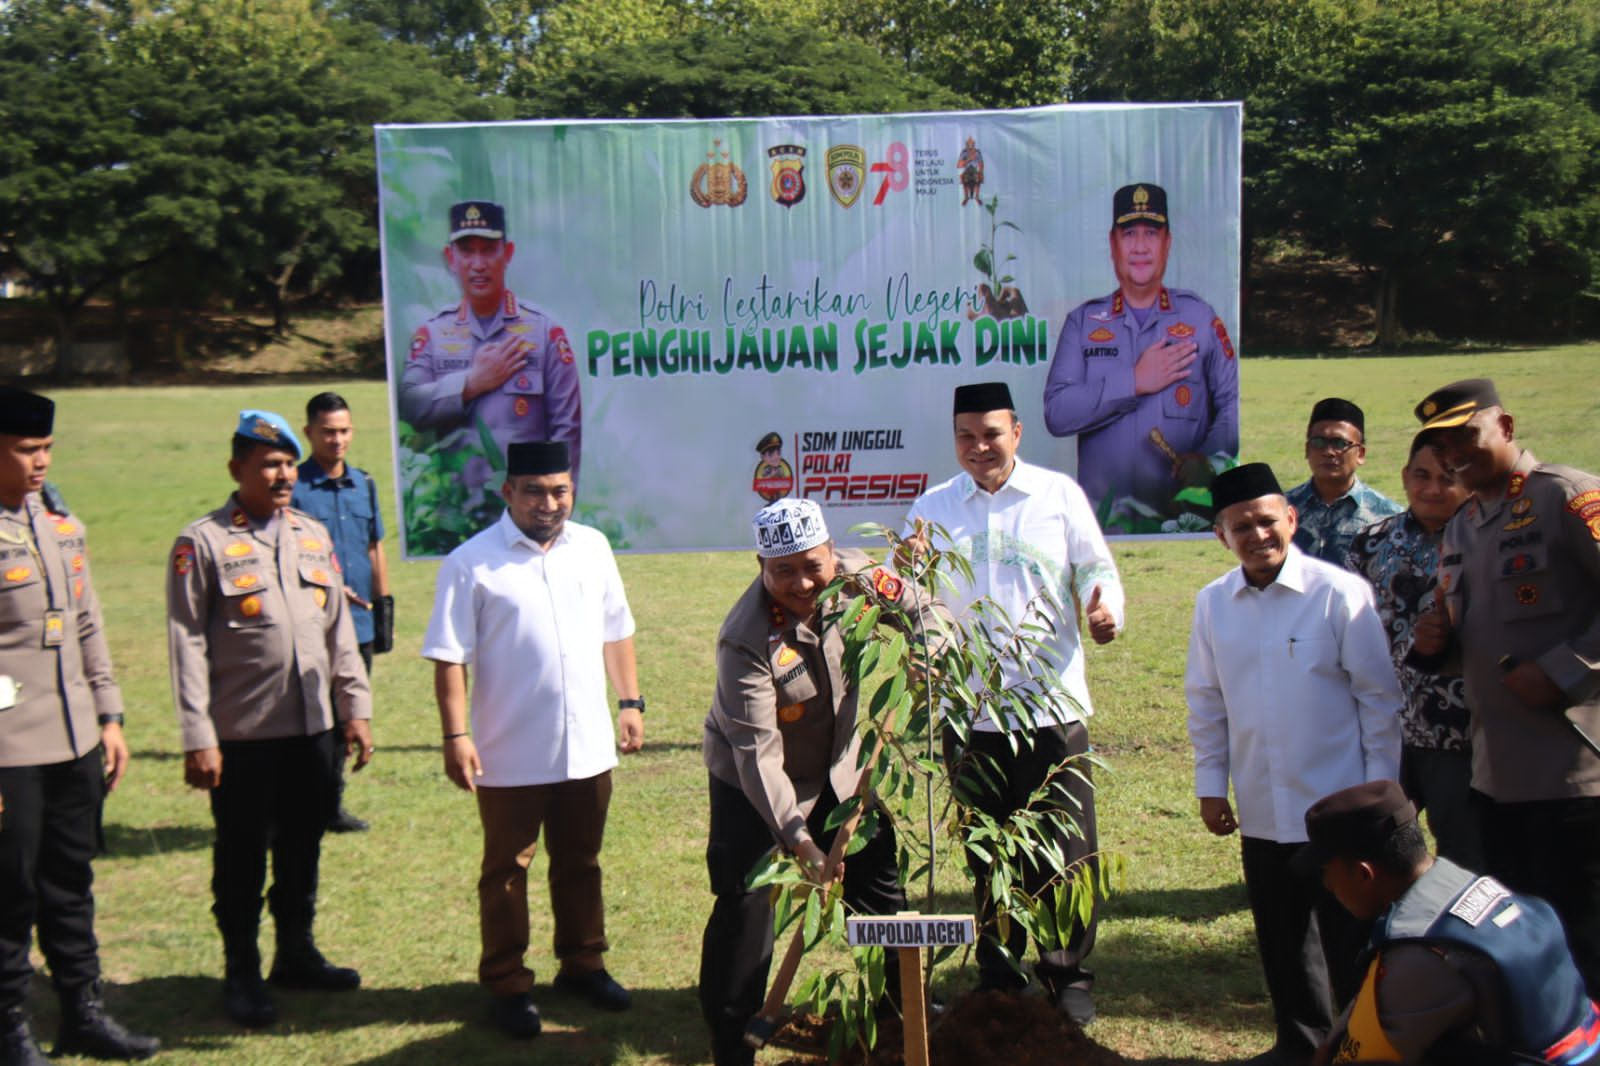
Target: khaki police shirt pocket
<point>1525,587</point>
<point>792,677</point>
<point>22,591</point>
<point>316,574</point>
<point>529,381</point>
<point>245,602</point>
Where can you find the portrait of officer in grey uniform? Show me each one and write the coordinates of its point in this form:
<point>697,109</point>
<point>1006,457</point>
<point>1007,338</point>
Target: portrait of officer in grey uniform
<point>490,360</point>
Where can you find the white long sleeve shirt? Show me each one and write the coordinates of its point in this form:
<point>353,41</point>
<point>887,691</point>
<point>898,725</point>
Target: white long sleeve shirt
<point>1291,693</point>
<point>1036,535</point>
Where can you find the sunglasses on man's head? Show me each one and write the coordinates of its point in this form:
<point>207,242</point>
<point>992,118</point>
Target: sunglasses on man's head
<point>1338,444</point>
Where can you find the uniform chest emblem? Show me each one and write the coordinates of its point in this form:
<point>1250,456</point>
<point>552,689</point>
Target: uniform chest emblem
<point>66,529</point>
<point>792,713</point>
<point>523,382</point>
<point>246,581</point>
<point>310,544</point>
<point>237,548</point>
<point>320,576</point>
<point>77,564</point>
<point>77,589</point>
<point>1527,595</point>
<point>787,655</point>
<point>321,597</point>
<point>1521,507</point>
<point>1102,335</point>
<point>19,573</point>
<point>250,606</point>
<point>887,585</point>
<point>1181,329</point>
<point>1101,316</point>
<point>1521,523</point>
<point>1517,564</point>
<point>520,407</point>
<point>1183,395</point>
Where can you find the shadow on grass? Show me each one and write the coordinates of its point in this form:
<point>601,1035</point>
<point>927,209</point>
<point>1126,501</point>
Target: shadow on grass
<point>185,1012</point>
<point>1181,904</point>
<point>124,841</point>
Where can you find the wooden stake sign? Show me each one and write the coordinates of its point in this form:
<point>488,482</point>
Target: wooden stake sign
<point>907,934</point>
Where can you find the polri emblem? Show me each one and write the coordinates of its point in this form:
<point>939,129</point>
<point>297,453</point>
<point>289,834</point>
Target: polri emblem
<point>1183,395</point>
<point>19,573</point>
<point>718,180</point>
<point>847,168</point>
<point>520,407</point>
<point>1181,330</point>
<point>66,529</point>
<point>788,173</point>
<point>1101,335</point>
<point>246,581</point>
<point>237,548</point>
<point>887,585</point>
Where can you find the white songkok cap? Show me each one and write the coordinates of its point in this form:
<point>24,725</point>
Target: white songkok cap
<point>788,527</point>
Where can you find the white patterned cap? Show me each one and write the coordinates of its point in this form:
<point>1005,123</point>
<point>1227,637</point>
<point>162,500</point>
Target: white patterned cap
<point>787,527</point>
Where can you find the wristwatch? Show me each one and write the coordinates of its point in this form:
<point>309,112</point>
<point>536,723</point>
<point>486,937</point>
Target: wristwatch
<point>637,705</point>
<point>110,719</point>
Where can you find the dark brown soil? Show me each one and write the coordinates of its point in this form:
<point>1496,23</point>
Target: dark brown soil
<point>978,1029</point>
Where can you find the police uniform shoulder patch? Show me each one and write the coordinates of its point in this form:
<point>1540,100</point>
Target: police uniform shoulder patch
<point>1222,336</point>
<point>1586,505</point>
<point>887,584</point>
<point>419,342</point>
<point>558,337</point>
<point>183,559</point>
<point>1481,897</point>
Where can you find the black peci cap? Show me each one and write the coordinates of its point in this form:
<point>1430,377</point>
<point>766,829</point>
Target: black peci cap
<point>538,457</point>
<point>26,414</point>
<point>1248,482</point>
<point>983,397</point>
<point>1333,409</point>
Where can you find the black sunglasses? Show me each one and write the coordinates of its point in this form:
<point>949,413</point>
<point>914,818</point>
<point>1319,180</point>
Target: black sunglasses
<point>1338,444</point>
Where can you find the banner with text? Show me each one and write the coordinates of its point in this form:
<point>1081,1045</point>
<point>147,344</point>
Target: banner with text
<point>718,313</point>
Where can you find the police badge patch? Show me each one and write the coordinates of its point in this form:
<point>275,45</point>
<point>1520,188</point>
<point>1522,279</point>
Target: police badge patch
<point>847,168</point>
<point>788,173</point>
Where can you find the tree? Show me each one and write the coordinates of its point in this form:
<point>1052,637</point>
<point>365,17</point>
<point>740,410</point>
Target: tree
<point>1442,136</point>
<point>765,69</point>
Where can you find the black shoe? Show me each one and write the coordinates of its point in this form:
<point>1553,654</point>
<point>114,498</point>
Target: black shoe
<point>596,986</point>
<point>515,1016</point>
<point>86,1029</point>
<point>305,968</point>
<point>17,1047</point>
<point>246,1001</point>
<point>345,822</point>
<point>1076,1003</point>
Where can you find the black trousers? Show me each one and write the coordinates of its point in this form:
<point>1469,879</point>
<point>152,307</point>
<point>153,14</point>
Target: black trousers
<point>999,783</point>
<point>1309,946</point>
<point>736,952</point>
<point>48,835</point>
<point>338,763</point>
<point>1440,782</point>
<point>276,795</point>
<point>1551,849</point>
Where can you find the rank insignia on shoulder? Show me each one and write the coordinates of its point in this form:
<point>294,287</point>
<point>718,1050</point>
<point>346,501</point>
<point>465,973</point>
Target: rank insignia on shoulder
<point>246,581</point>
<point>19,573</point>
<point>887,585</point>
<point>238,548</point>
<point>1515,485</point>
<point>1180,329</point>
<point>238,519</point>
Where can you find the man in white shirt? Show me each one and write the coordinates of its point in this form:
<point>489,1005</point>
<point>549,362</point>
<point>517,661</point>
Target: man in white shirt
<point>1292,695</point>
<point>536,606</point>
<point>1036,551</point>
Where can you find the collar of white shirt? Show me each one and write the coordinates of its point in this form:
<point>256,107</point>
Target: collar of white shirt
<point>515,536</point>
<point>1025,478</point>
<point>1292,575</point>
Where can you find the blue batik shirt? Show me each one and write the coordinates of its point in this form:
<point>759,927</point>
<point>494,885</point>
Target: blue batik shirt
<point>348,506</point>
<point>1400,558</point>
<point>1326,529</point>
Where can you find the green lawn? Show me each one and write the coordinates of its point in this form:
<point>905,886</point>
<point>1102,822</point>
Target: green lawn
<point>1178,979</point>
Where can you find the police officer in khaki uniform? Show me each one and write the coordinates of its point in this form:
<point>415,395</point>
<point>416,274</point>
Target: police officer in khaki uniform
<point>1519,578</point>
<point>61,751</point>
<point>781,744</point>
<point>271,693</point>
<point>491,358</point>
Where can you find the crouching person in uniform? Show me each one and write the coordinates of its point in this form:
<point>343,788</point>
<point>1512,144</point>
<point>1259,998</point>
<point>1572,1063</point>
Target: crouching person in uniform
<point>1460,970</point>
<point>271,694</point>
<point>781,746</point>
<point>61,751</point>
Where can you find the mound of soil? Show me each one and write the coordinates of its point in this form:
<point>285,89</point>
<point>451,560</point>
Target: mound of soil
<point>981,1028</point>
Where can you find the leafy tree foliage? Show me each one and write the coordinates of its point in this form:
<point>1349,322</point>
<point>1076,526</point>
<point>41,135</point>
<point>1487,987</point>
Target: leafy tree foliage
<point>766,69</point>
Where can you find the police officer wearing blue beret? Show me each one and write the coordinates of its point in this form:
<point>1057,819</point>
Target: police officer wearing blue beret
<point>271,694</point>
<point>491,358</point>
<point>1145,378</point>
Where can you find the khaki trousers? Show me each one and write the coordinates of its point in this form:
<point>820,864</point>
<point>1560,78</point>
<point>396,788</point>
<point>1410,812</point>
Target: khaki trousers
<point>573,815</point>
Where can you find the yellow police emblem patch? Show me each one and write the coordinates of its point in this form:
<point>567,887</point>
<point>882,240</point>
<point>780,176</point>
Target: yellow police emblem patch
<point>238,548</point>
<point>311,544</point>
<point>1101,335</point>
<point>787,655</point>
<point>250,606</point>
<point>321,597</point>
<point>66,529</point>
<point>319,576</point>
<point>19,573</point>
<point>246,581</point>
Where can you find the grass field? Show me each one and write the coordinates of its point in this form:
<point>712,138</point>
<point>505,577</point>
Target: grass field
<point>1178,978</point>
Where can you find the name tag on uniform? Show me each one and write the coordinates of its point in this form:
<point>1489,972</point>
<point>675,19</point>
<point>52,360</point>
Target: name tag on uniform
<point>55,628</point>
<point>8,692</point>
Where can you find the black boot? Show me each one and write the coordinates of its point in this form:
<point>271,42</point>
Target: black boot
<point>17,1047</point>
<point>245,999</point>
<point>86,1029</point>
<point>299,964</point>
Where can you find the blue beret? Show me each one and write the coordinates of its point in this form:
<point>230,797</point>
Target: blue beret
<point>268,428</point>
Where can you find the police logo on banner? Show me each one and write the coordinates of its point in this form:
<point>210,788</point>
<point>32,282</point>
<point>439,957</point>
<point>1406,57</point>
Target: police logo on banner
<point>847,169</point>
<point>788,173</point>
<point>719,180</point>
